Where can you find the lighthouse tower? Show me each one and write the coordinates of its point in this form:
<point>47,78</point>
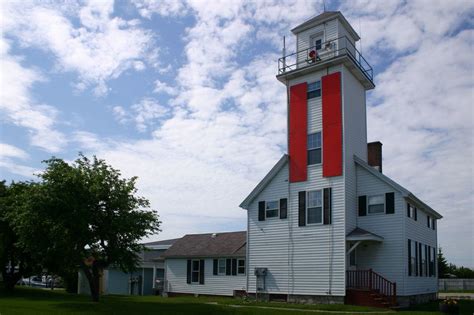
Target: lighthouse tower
<point>314,186</point>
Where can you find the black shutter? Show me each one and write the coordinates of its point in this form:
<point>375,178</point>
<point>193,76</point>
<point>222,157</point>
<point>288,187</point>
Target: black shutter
<point>434,224</point>
<point>228,266</point>
<point>390,202</point>
<point>214,267</point>
<point>234,267</point>
<point>327,203</point>
<point>427,261</point>
<point>430,266</point>
<point>416,259</point>
<point>302,208</point>
<point>409,258</point>
<point>428,221</point>
<point>416,214</point>
<point>420,263</point>
<point>188,272</point>
<point>362,206</point>
<point>201,271</point>
<point>283,208</point>
<point>408,209</point>
<point>435,261</point>
<point>261,211</point>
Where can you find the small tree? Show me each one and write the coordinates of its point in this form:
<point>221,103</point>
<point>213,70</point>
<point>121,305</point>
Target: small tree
<point>89,218</point>
<point>443,268</point>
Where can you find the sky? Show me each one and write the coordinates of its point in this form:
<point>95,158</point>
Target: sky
<point>184,96</point>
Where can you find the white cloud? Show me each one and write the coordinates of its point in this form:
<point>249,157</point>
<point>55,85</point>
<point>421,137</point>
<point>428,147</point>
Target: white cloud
<point>147,8</point>
<point>163,87</point>
<point>7,150</point>
<point>100,49</point>
<point>144,114</point>
<point>19,107</point>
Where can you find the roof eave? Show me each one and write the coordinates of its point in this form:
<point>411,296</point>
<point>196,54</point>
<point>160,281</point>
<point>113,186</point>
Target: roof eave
<point>313,22</point>
<point>264,182</point>
<point>405,193</point>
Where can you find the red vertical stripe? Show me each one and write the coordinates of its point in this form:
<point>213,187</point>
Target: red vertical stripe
<point>298,135</point>
<point>332,125</point>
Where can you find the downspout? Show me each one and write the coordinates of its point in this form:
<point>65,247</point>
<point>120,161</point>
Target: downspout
<point>289,213</point>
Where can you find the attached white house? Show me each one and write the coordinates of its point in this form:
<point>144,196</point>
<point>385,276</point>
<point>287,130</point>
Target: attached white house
<point>325,224</point>
<point>206,264</point>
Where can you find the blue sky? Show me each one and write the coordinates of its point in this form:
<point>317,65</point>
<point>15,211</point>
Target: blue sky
<point>184,95</point>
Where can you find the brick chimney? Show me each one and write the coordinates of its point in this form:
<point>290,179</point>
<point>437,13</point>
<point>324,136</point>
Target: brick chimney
<point>374,155</point>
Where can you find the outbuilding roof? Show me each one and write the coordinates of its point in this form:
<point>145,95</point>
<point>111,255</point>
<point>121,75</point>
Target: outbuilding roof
<point>227,244</point>
<point>359,234</point>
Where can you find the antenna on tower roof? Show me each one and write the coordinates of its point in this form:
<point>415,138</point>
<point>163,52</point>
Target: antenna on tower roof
<point>324,5</point>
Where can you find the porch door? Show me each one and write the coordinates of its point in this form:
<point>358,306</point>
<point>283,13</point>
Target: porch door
<point>352,265</point>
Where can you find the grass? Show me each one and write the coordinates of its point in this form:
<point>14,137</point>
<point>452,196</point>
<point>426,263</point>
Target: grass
<point>38,301</point>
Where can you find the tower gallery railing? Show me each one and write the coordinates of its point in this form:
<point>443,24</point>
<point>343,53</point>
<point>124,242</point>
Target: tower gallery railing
<point>326,51</point>
<point>369,279</point>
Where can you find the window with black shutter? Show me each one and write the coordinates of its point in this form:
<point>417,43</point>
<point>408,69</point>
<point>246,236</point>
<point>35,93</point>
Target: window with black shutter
<point>201,271</point>
<point>410,264</point>
<point>228,265</point>
<point>327,204</point>
<point>215,267</point>
<point>234,267</point>
<point>302,208</point>
<point>390,203</point>
<point>362,206</point>
<point>283,208</point>
<point>261,211</point>
<point>188,272</point>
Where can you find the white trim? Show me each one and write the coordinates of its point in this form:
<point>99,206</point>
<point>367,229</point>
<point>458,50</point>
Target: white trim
<point>264,182</point>
<point>322,207</point>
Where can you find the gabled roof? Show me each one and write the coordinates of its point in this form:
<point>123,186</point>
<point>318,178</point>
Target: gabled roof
<point>164,244</point>
<point>405,193</point>
<point>264,182</point>
<point>324,17</point>
<point>359,234</point>
<point>227,244</point>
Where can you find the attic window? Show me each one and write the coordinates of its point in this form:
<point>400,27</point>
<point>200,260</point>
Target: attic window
<point>376,204</point>
<point>271,209</point>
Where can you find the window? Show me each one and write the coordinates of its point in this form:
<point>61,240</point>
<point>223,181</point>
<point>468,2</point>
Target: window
<point>433,223</point>
<point>428,221</point>
<point>433,261</point>
<point>241,267</point>
<point>314,89</point>
<point>221,266</point>
<point>314,148</point>
<point>195,271</point>
<point>271,209</point>
<point>314,212</point>
<point>411,211</point>
<point>352,258</point>
<point>423,261</point>
<point>412,258</point>
<point>317,42</point>
<point>376,204</point>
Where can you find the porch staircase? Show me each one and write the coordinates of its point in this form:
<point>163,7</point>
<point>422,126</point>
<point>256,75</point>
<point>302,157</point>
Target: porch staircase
<point>368,288</point>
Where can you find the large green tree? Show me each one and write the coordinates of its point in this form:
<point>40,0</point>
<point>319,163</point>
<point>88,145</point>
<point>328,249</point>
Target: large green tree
<point>15,260</point>
<point>85,216</point>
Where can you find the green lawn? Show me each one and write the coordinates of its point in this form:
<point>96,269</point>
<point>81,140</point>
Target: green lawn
<point>38,301</point>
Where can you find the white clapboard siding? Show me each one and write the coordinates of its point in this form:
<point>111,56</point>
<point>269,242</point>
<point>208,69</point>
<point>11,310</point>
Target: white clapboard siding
<point>354,139</point>
<point>176,275</point>
<point>329,30</point>
<point>418,231</point>
<point>316,264</point>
